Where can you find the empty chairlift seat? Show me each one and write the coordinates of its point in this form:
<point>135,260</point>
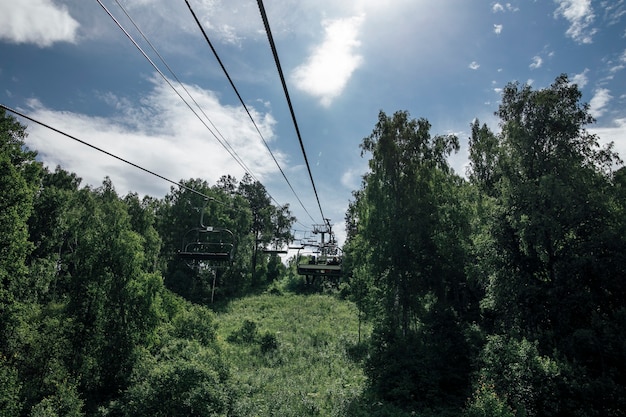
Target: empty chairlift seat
<point>322,266</point>
<point>209,245</point>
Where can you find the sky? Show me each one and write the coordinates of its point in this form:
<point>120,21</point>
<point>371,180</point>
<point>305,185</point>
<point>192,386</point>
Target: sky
<point>137,78</point>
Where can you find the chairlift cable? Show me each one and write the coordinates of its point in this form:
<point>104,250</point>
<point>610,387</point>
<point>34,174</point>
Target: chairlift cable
<point>286,91</point>
<point>129,36</point>
<point>232,84</point>
<point>225,142</point>
<point>171,71</point>
<point>178,184</point>
<point>106,152</point>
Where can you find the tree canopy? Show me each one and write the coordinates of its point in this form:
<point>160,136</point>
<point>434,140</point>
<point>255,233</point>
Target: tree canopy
<point>494,292</point>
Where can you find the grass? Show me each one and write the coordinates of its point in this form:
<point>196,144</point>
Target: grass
<point>290,354</point>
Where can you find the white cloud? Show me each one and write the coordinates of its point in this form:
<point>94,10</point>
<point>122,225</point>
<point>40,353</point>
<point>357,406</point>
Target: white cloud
<point>352,177</point>
<point>580,15</point>
<point>497,7</point>
<point>473,65</point>
<point>621,65</point>
<point>36,21</point>
<point>497,29</point>
<point>613,11</point>
<point>160,134</point>
<point>331,64</point>
<point>599,101</point>
<point>537,62</point>
<point>615,133</point>
<point>580,79</point>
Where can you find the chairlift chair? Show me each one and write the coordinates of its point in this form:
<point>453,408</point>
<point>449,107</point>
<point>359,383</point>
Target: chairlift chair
<point>210,245</point>
<point>321,264</point>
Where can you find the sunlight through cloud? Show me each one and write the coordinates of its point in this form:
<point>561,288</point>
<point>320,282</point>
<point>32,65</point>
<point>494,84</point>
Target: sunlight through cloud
<point>597,105</point>
<point>331,64</point>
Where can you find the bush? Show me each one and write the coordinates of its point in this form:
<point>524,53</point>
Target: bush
<point>65,402</point>
<point>247,334</point>
<point>183,379</point>
<point>268,342</point>
<point>521,375</point>
<point>487,403</point>
<point>10,403</point>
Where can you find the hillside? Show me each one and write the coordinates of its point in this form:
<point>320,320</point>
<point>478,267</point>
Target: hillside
<point>289,354</point>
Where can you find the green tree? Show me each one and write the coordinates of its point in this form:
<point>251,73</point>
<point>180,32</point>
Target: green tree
<point>183,379</point>
<point>182,211</point>
<point>33,340</point>
<point>261,208</point>
<point>10,399</point>
<point>185,373</point>
<point>270,224</point>
<point>483,157</point>
<point>48,229</point>
<point>411,229</point>
<point>555,244</point>
<point>112,298</point>
<point>19,180</point>
<point>143,221</point>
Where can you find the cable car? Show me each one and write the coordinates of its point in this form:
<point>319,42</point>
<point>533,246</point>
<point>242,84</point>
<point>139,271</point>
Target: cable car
<point>208,245</point>
<point>213,245</point>
<point>321,266</point>
<point>325,261</point>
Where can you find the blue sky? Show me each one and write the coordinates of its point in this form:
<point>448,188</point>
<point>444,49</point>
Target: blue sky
<point>67,64</point>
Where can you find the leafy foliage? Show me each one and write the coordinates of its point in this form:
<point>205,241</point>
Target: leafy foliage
<point>549,255</point>
<point>183,378</point>
<point>498,294</point>
<point>408,228</point>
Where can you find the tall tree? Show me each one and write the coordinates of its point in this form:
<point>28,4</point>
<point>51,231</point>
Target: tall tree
<point>260,206</point>
<point>182,211</point>
<point>143,221</point>
<point>112,297</point>
<point>557,244</point>
<point>270,224</point>
<point>412,231</point>
<point>19,180</point>
<point>48,229</point>
<point>483,157</point>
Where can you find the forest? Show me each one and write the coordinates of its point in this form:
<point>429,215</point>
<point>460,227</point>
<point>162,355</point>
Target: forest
<point>495,292</point>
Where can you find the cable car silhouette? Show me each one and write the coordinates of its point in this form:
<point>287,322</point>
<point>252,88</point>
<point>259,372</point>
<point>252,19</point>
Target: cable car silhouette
<point>208,245</point>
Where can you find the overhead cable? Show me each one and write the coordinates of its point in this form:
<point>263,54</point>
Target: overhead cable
<point>128,35</point>
<point>105,152</point>
<point>232,84</point>
<point>233,153</point>
<point>270,38</point>
<point>171,71</point>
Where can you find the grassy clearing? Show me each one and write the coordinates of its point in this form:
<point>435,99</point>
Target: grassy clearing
<point>290,354</point>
